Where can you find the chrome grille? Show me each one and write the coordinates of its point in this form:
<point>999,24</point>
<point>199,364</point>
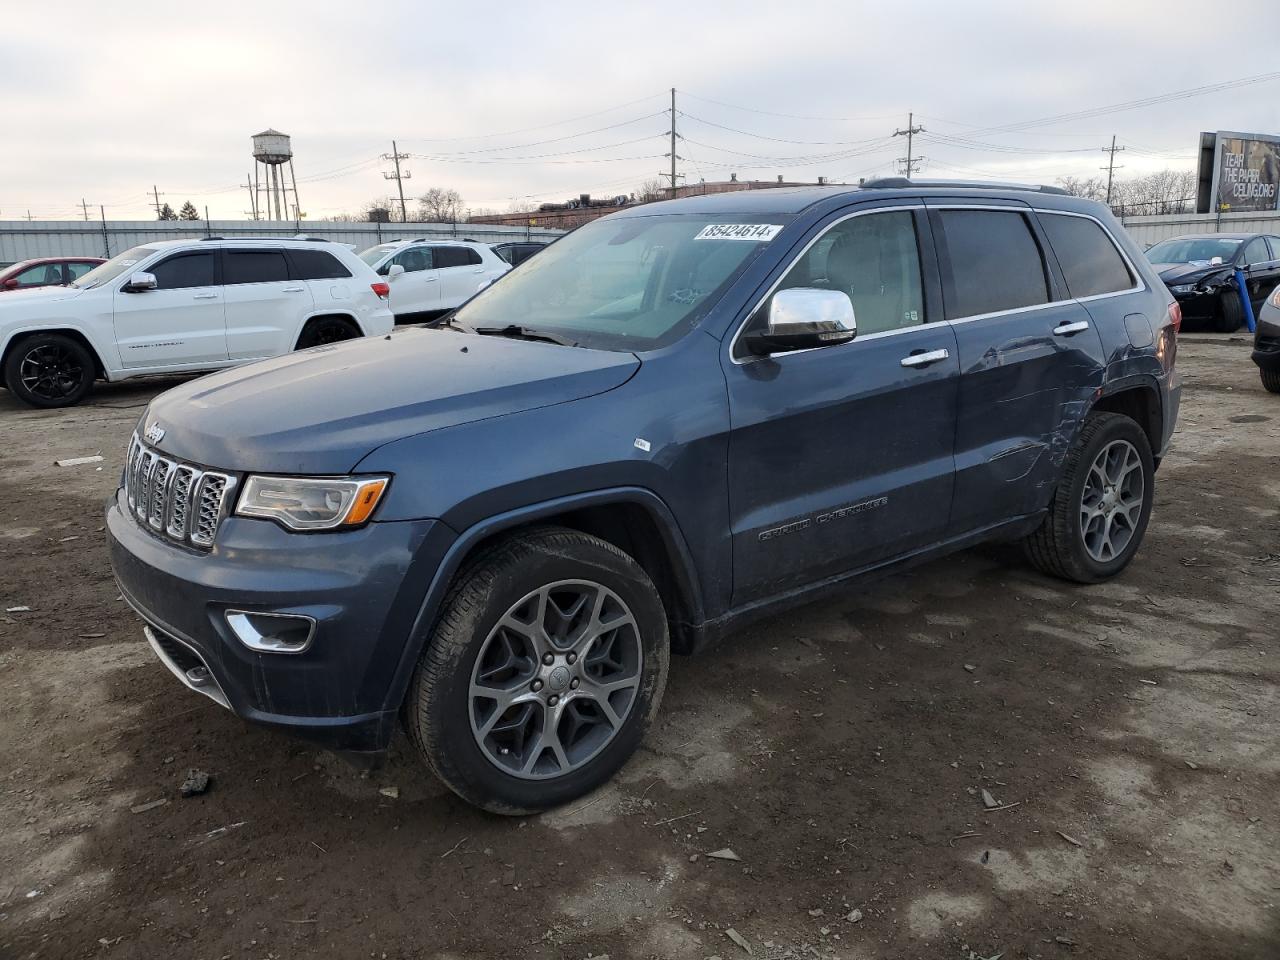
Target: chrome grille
<point>178,500</point>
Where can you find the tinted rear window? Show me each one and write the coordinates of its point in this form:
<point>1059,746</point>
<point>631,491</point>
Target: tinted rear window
<point>254,266</point>
<point>995,263</point>
<point>454,256</point>
<point>1090,262</point>
<point>316,265</point>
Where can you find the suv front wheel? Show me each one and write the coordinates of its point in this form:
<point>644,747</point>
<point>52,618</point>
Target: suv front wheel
<point>1099,512</point>
<point>49,370</point>
<point>543,674</point>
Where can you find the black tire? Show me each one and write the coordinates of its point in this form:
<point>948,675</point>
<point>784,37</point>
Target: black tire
<point>1058,547</point>
<point>1270,380</point>
<point>49,370</point>
<point>1231,312</point>
<point>439,709</point>
<point>324,330</point>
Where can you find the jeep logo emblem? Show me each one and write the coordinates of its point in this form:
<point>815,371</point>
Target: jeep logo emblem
<point>155,433</point>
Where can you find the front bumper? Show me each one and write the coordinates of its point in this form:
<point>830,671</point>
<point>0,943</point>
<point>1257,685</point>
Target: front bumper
<point>364,589</point>
<point>1266,352</point>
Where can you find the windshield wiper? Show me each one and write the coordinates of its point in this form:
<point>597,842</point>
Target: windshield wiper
<point>517,332</point>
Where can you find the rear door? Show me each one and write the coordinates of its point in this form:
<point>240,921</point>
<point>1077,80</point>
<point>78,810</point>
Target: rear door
<point>1030,359</point>
<point>265,305</point>
<point>840,457</point>
<point>180,322</point>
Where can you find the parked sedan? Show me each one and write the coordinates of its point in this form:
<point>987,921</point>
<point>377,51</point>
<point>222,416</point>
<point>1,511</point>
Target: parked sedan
<point>1199,271</point>
<point>46,272</point>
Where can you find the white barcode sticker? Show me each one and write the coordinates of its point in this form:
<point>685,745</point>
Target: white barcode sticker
<point>755,232</point>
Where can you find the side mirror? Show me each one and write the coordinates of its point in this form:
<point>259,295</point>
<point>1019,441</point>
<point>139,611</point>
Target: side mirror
<point>803,318</point>
<point>141,281</point>
<point>395,270</point>
<point>10,284</point>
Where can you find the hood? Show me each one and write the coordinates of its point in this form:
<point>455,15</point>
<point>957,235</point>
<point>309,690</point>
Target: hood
<point>1172,273</point>
<point>320,411</point>
<point>42,294</point>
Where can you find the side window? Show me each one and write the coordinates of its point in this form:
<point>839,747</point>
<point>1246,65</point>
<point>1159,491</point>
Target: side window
<point>413,260</point>
<point>995,263</point>
<point>875,259</point>
<point>455,256</point>
<point>254,266</point>
<point>1255,252</point>
<point>316,265</point>
<point>182,270</point>
<point>77,270</point>
<point>1089,259</point>
<point>43,275</point>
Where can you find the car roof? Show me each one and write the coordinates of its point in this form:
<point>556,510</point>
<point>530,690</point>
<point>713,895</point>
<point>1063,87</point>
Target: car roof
<point>1214,236</point>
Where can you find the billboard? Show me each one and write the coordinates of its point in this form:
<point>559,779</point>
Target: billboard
<point>1239,172</point>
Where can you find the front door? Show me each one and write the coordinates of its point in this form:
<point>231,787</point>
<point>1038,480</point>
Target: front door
<point>1261,267</point>
<point>1030,355</point>
<point>265,307</point>
<point>417,290</point>
<point>841,457</point>
<point>182,321</point>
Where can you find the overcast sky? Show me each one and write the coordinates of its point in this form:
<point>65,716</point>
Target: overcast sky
<point>500,100</point>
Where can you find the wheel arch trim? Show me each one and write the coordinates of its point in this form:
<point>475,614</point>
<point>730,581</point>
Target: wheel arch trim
<point>683,570</point>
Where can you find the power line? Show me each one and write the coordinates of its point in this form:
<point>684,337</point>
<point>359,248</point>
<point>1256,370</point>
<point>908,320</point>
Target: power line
<point>761,136</point>
<point>788,116</point>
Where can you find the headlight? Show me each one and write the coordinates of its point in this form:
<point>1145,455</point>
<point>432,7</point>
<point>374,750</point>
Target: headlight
<point>1183,288</point>
<point>1274,299</point>
<point>312,503</point>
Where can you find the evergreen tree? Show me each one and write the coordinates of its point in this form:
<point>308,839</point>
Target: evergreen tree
<point>166,213</point>
<point>189,212</point>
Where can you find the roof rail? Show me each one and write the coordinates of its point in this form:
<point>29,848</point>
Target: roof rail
<point>900,183</point>
<point>296,236</point>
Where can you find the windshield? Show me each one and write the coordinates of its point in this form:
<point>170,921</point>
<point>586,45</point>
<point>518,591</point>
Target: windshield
<point>374,254</point>
<point>634,283</point>
<point>106,272</point>
<point>1200,250</point>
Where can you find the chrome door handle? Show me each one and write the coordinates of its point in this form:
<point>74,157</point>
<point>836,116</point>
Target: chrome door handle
<point>430,279</point>
<point>204,296</point>
<point>294,289</point>
<point>924,359</point>
<point>1067,329</point>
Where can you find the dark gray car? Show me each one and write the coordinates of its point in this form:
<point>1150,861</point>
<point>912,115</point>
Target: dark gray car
<point>673,420</point>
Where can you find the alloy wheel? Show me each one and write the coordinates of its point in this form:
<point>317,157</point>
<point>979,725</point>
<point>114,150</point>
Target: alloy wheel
<point>1111,504</point>
<point>555,679</point>
<point>51,372</point>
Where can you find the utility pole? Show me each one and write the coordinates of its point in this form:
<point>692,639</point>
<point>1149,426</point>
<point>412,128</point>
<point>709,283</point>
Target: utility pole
<point>106,239</point>
<point>29,216</point>
<point>1111,165</point>
<point>910,162</point>
<point>253,197</point>
<point>156,194</point>
<point>398,177</point>
<point>673,176</point>
<point>85,207</point>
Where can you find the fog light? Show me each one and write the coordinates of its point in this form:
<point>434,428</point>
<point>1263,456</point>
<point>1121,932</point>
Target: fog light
<point>272,632</point>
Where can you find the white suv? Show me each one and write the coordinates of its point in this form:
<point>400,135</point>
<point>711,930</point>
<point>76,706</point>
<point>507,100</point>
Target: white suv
<point>185,305</point>
<point>431,277</point>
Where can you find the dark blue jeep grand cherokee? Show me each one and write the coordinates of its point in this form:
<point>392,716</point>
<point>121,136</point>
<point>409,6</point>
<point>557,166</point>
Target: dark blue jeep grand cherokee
<point>674,419</point>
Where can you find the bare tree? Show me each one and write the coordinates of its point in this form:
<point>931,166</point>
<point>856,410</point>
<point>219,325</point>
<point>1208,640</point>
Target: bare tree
<point>440,205</point>
<point>652,190</point>
<point>1165,191</point>
<point>1091,188</point>
<point>521,206</point>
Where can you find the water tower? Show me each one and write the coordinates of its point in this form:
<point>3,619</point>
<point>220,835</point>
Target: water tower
<point>271,151</point>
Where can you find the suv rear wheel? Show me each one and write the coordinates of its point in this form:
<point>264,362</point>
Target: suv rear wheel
<point>545,670</point>
<point>322,330</point>
<point>1099,512</point>
<point>50,370</point>
<point>1271,380</point>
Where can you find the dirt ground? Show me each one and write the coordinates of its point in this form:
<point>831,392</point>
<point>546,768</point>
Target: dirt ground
<point>1130,732</point>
